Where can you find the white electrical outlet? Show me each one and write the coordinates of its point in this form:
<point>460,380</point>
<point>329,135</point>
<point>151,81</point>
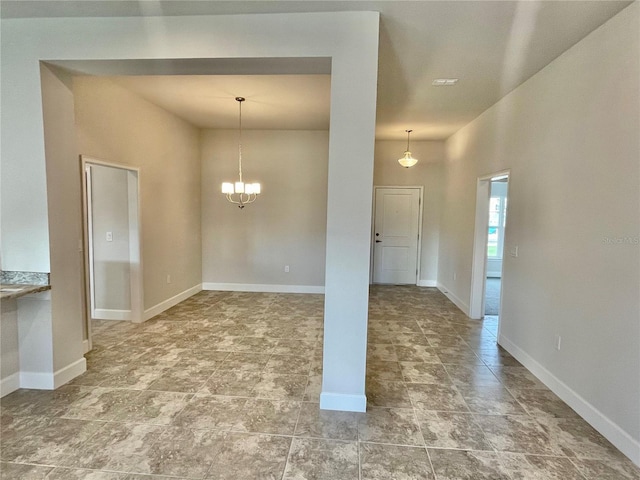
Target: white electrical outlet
<point>558,342</point>
<point>168,278</point>
<point>286,269</point>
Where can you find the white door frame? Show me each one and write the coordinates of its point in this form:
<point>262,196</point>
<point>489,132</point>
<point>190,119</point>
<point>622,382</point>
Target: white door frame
<point>135,244</point>
<point>420,189</point>
<point>479,262</point>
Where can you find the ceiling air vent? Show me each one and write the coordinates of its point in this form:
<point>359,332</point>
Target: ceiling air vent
<point>444,82</point>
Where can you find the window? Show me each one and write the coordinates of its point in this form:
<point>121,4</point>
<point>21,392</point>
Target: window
<point>497,218</point>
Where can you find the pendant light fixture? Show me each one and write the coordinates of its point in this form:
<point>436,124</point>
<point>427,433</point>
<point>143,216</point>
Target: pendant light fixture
<point>407,161</point>
<point>240,193</point>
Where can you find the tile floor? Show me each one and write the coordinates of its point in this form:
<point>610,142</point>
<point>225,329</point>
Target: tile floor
<point>225,386</point>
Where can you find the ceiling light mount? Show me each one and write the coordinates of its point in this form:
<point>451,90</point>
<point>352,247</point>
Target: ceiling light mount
<point>407,160</point>
<point>240,193</point>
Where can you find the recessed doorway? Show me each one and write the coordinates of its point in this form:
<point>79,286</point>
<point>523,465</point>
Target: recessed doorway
<point>112,243</point>
<point>495,244</point>
<point>490,228</point>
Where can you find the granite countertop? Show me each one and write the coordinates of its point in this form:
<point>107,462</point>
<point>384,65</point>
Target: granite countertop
<point>10,291</point>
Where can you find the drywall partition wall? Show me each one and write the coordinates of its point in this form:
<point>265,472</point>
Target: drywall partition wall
<point>116,125</point>
<point>9,352</point>
<point>65,239</point>
<point>110,240</point>
<point>23,184</point>
<point>248,249</point>
<point>428,173</point>
<point>350,39</point>
<point>570,137</point>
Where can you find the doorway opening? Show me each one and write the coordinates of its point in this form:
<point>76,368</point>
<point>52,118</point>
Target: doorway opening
<point>113,270</point>
<point>490,228</point>
<point>397,223</point>
<point>495,244</point>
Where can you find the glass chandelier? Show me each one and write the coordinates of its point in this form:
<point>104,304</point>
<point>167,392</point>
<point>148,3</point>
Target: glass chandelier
<point>240,193</point>
<point>407,161</point>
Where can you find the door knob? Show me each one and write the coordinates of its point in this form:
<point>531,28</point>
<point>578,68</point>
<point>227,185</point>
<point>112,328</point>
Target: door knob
<point>378,241</point>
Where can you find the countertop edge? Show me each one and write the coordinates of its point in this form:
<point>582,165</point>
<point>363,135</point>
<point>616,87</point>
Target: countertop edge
<point>25,290</point>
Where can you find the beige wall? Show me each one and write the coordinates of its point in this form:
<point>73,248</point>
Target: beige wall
<point>570,137</point>
<point>117,126</point>
<point>111,269</point>
<point>427,173</point>
<point>287,225</point>
<point>63,339</point>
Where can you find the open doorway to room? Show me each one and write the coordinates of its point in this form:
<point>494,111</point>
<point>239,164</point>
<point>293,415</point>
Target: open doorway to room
<point>490,224</point>
<point>122,133</point>
<point>495,244</point>
<point>112,243</point>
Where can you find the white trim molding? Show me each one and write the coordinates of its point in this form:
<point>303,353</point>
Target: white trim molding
<point>265,288</point>
<point>170,302</point>
<point>427,283</point>
<point>37,380</point>
<point>457,301</point>
<point>343,402</point>
<point>610,430</point>
<point>68,373</point>
<point>51,381</point>
<point>10,384</point>
<point>135,246</point>
<point>111,314</point>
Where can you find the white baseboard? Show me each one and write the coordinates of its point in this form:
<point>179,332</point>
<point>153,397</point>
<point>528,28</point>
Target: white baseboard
<point>343,402</point>
<point>51,381</point>
<point>457,301</point>
<point>36,380</point>
<point>109,314</point>
<point>266,288</point>
<point>68,373</point>
<point>9,384</point>
<point>170,302</point>
<point>427,283</point>
<point>610,430</point>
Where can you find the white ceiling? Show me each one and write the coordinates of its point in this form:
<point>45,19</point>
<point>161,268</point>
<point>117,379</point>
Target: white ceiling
<point>288,102</point>
<point>491,46</point>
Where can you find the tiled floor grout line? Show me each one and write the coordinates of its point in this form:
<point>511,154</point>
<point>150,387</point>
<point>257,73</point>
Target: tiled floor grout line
<point>359,454</point>
<point>415,415</point>
<point>293,437</point>
<point>402,323</point>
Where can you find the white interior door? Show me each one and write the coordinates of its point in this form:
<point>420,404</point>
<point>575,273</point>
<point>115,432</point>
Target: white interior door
<point>396,232</point>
